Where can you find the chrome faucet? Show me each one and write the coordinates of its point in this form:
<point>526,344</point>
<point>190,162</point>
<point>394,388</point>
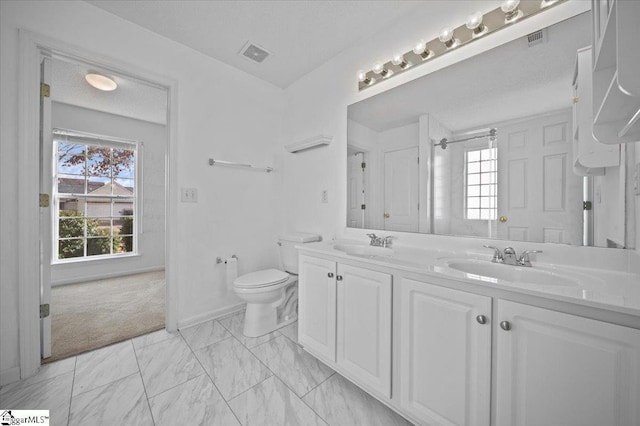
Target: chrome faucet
<point>380,241</point>
<point>509,256</point>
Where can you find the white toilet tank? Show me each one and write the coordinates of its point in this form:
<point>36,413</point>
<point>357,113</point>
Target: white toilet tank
<point>288,252</point>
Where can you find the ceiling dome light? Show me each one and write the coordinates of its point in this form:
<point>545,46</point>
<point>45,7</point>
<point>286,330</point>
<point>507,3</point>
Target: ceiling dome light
<point>511,11</point>
<point>101,82</point>
<point>399,61</point>
<point>474,23</point>
<point>379,68</point>
<point>421,50</point>
<point>446,36</point>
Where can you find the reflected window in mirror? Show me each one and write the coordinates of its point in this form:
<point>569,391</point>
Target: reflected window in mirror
<point>481,184</point>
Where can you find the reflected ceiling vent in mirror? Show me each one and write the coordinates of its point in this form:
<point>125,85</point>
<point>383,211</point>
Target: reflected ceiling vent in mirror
<point>478,25</point>
<point>254,52</point>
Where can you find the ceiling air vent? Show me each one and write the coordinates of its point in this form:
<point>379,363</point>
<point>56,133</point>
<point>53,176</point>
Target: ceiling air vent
<point>255,53</point>
<point>536,38</point>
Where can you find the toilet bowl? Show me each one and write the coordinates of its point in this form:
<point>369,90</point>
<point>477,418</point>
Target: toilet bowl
<point>272,294</point>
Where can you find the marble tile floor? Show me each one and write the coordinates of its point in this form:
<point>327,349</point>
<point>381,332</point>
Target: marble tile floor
<point>208,374</point>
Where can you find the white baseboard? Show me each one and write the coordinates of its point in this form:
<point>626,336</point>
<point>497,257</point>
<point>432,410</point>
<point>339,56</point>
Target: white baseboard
<point>208,316</point>
<point>9,375</point>
<point>106,276</point>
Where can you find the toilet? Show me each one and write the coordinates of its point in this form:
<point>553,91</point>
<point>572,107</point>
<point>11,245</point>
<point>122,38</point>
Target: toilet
<point>272,294</point>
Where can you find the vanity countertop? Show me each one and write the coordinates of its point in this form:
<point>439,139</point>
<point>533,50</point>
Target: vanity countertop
<point>598,288</point>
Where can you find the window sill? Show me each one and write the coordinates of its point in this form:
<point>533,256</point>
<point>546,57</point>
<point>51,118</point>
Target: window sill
<point>93,259</point>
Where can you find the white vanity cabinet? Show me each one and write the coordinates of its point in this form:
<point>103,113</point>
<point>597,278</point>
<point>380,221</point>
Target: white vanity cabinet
<point>345,318</point>
<point>463,354</point>
<point>445,354</point>
<point>560,369</point>
<point>317,306</point>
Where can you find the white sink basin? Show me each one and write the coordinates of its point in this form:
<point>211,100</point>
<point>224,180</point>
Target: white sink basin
<point>488,271</point>
<point>363,250</point>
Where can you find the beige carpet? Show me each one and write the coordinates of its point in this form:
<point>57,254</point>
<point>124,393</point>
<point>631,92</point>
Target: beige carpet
<point>90,315</point>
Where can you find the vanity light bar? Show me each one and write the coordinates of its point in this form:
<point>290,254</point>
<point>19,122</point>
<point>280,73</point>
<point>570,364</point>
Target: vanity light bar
<point>477,26</point>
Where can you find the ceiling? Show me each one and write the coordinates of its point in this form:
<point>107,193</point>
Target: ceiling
<point>132,98</point>
<point>301,35</point>
<point>507,82</point>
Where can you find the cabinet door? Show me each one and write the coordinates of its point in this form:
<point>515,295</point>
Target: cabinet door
<point>560,369</point>
<point>364,326</point>
<point>317,306</point>
<point>445,354</point>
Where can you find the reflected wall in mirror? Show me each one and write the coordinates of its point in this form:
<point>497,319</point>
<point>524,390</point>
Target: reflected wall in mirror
<point>524,184</point>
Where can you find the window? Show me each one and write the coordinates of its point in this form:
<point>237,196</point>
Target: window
<point>95,195</point>
<point>481,184</point>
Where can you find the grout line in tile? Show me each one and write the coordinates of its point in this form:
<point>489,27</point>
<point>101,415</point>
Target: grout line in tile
<point>211,378</point>
<point>144,387</point>
<point>73,382</point>
<point>318,385</point>
<point>161,341</point>
<point>287,386</point>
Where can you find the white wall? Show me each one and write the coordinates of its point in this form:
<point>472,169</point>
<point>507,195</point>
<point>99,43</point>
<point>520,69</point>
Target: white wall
<point>151,240</point>
<point>222,113</point>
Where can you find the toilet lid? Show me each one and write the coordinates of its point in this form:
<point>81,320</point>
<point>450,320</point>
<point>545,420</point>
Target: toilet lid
<point>262,278</point>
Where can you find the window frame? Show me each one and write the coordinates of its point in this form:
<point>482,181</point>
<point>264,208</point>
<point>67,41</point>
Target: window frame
<point>493,208</point>
<point>90,139</point>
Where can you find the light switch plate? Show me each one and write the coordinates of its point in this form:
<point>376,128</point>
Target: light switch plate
<point>189,195</point>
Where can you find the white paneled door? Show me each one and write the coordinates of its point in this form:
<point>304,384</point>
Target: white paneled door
<point>355,191</point>
<point>401,190</point>
<point>364,326</point>
<point>560,369</point>
<point>538,193</point>
<point>445,354</point>
<point>46,237</point>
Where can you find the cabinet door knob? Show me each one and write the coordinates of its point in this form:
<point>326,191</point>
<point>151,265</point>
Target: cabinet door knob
<point>330,274</point>
<point>481,319</point>
<point>339,277</point>
<point>505,325</point>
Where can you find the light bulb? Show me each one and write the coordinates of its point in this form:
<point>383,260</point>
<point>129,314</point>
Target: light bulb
<point>362,78</point>
<point>509,5</point>
<point>399,61</point>
<point>379,68</point>
<point>546,3</point>
<point>510,9</point>
<point>421,50</point>
<point>474,23</point>
<point>446,36</point>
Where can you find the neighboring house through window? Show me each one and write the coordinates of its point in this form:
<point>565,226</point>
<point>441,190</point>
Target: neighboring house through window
<point>481,184</point>
<point>95,195</point>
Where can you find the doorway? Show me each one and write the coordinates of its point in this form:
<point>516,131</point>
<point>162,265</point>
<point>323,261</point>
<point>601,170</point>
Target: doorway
<point>102,152</point>
<point>32,46</point>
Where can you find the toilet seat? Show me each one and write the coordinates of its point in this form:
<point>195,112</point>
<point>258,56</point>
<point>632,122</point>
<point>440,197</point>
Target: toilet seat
<point>260,279</point>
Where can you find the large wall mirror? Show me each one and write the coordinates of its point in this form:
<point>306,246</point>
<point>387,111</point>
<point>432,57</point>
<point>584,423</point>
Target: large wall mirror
<point>505,170</point>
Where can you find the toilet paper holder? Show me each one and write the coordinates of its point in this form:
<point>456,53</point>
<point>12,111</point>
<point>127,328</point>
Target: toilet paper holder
<point>220,260</point>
